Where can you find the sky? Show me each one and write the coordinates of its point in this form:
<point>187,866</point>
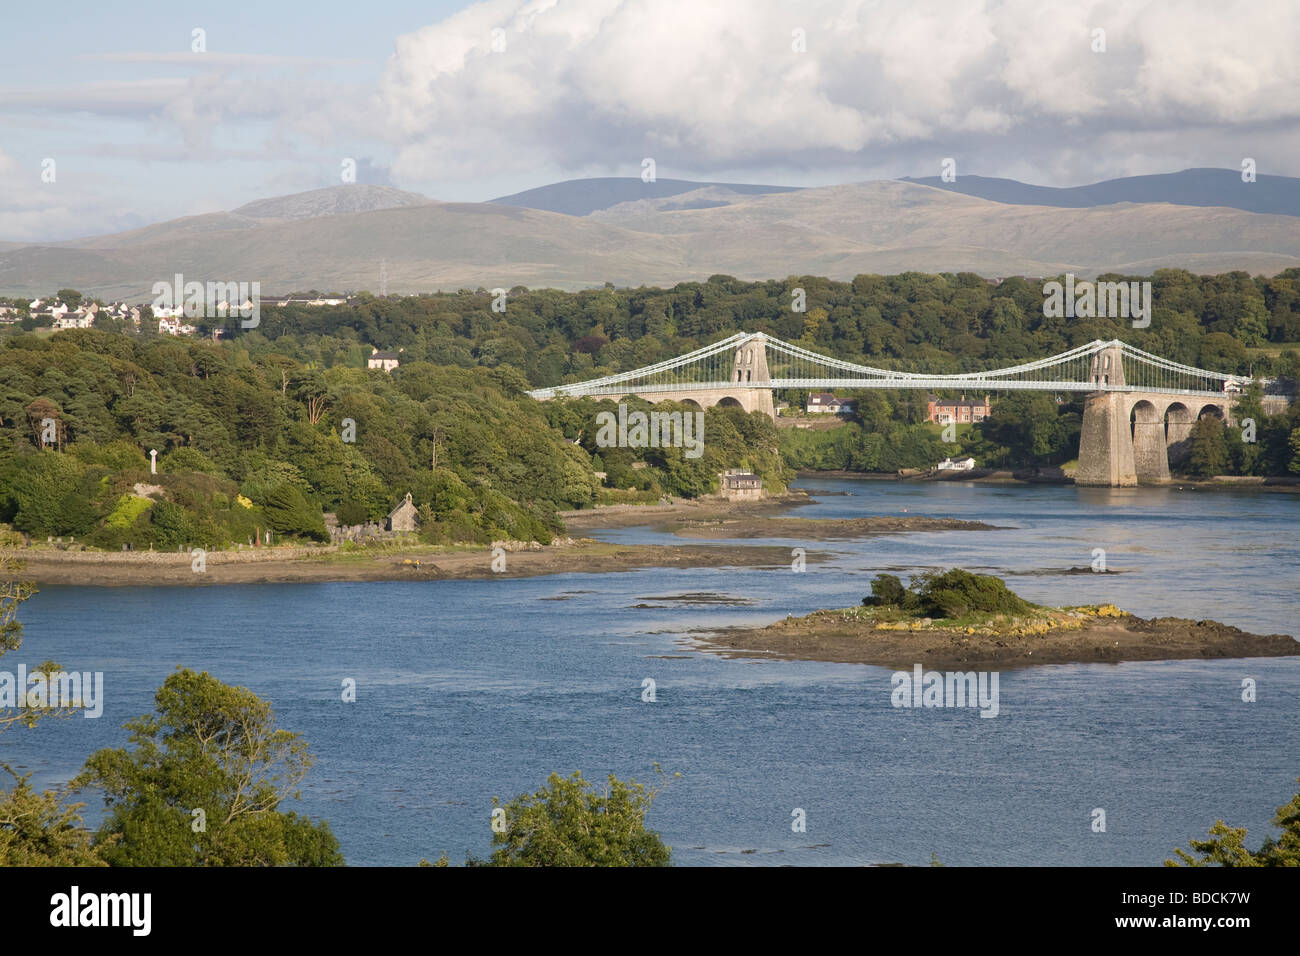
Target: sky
<point>113,116</point>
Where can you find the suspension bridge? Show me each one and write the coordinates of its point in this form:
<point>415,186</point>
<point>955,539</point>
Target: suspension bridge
<point>1139,408</point>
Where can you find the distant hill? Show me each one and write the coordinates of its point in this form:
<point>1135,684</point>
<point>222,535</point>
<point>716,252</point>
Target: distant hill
<point>331,201</point>
<point>419,245</point>
<point>581,197</point>
<point>1278,195</point>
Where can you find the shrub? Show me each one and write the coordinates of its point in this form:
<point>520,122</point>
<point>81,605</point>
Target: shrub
<point>886,591</point>
<point>187,459</point>
<point>127,509</point>
<point>115,455</point>
<point>171,524</point>
<point>352,512</point>
<point>954,593</point>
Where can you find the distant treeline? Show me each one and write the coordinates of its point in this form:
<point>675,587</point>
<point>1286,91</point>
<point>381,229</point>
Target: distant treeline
<point>940,323</point>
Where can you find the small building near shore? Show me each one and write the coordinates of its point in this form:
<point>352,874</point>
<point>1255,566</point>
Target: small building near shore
<point>405,517</point>
<point>735,484</point>
<point>956,464</point>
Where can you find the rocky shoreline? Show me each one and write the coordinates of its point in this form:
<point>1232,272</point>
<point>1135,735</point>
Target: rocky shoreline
<point>701,518</point>
<point>321,565</point>
<point>1111,636</point>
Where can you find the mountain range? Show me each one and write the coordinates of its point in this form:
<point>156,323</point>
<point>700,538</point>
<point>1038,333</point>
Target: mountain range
<point>584,233</point>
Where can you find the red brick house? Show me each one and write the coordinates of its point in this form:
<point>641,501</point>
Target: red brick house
<point>945,410</point>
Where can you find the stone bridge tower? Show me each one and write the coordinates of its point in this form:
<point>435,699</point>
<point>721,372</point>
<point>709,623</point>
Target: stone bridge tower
<point>750,367</point>
<point>1106,448</point>
<point>1129,436</point>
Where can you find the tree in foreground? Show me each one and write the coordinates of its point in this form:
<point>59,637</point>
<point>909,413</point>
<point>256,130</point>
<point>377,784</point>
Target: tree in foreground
<point>1227,845</point>
<point>36,828</point>
<point>203,784</point>
<point>40,829</point>
<point>568,823</point>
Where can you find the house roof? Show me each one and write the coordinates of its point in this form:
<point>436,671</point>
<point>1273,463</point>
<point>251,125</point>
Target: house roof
<point>960,402</point>
<point>391,356</point>
<point>402,504</point>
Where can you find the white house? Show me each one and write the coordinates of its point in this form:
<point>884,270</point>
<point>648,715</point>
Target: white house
<point>74,320</point>
<point>824,403</point>
<point>956,464</point>
<point>383,360</point>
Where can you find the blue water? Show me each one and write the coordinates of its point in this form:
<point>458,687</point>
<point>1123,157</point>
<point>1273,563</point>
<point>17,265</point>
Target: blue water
<point>469,690</point>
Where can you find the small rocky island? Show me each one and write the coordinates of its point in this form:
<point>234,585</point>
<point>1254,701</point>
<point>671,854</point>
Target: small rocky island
<point>956,619</point>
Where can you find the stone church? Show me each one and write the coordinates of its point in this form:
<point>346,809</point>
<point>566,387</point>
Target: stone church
<point>405,517</point>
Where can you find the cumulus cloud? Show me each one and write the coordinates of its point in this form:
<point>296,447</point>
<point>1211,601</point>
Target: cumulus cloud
<point>509,85</point>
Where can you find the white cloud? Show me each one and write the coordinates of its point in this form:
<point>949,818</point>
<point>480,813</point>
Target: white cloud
<point>705,86</point>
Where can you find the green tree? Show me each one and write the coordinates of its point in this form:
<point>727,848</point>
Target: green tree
<point>1226,845</point>
<point>567,823</point>
<point>40,829</point>
<point>289,512</point>
<point>1029,425</point>
<point>886,591</point>
<point>1208,454</point>
<point>37,491</point>
<point>203,784</point>
<point>1220,352</point>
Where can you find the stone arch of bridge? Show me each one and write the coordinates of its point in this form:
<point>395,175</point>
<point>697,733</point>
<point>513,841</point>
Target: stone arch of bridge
<point>1150,454</point>
<point>1179,419</point>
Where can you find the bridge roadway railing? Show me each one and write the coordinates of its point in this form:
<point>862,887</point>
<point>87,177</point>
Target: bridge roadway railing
<point>1146,373</point>
<point>932,384</point>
